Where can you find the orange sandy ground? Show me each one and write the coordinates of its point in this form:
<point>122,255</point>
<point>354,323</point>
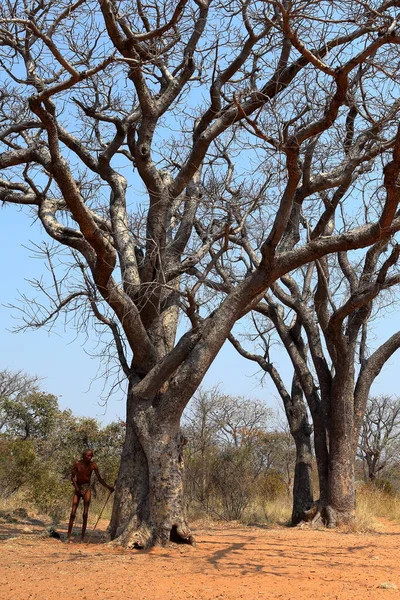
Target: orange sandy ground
<point>228,563</point>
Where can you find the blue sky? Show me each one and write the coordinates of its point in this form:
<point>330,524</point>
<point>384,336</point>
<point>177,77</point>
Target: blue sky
<point>62,359</point>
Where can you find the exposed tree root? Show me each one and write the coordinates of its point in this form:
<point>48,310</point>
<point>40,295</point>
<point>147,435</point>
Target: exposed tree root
<point>146,537</point>
<point>324,514</point>
<point>140,539</point>
<point>319,513</point>
<point>313,514</point>
<point>298,515</point>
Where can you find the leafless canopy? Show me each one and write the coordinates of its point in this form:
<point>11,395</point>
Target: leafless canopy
<point>190,153</point>
<point>379,440</point>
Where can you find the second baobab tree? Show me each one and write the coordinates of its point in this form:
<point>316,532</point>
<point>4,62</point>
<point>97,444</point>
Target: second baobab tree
<point>163,145</point>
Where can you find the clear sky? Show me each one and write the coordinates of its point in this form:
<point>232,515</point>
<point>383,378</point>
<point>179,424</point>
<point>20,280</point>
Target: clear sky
<point>63,361</point>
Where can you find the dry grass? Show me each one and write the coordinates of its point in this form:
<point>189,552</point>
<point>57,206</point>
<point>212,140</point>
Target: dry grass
<point>278,511</point>
<point>18,500</point>
<point>13,502</point>
<point>373,503</point>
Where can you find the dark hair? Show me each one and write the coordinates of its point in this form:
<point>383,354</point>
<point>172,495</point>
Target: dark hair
<point>86,451</point>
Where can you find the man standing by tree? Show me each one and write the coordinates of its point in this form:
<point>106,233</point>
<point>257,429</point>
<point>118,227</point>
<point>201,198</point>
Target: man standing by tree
<point>81,476</point>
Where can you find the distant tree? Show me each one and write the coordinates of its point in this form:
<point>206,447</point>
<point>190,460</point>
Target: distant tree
<point>279,448</point>
<point>18,465</point>
<point>28,416</point>
<point>235,480</point>
<point>379,445</point>
<point>25,411</point>
<point>230,450</point>
<point>223,431</point>
<point>239,420</point>
<point>201,433</point>
<point>17,383</point>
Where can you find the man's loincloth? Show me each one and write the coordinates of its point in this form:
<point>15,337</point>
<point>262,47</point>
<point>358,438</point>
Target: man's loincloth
<point>85,487</point>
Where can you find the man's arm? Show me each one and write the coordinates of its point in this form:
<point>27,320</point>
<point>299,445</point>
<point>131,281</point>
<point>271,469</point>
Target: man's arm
<point>101,480</point>
<point>74,478</point>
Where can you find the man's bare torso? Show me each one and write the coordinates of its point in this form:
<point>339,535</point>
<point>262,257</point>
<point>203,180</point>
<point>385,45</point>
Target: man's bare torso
<point>83,472</point>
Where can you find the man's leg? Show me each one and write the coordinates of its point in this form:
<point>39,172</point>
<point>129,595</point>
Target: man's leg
<point>75,502</point>
<point>86,503</point>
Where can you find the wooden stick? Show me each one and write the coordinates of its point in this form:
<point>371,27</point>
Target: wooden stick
<point>99,517</point>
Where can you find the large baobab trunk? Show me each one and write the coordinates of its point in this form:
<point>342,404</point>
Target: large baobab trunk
<point>336,503</point>
<point>341,482</point>
<point>149,506</point>
<point>131,506</point>
<point>341,495</point>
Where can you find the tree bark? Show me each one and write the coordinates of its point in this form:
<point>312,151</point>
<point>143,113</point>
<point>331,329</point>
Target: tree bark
<point>372,476</point>
<point>341,493</point>
<point>342,497</point>
<point>302,485</point>
<point>131,507</point>
<point>322,459</point>
<point>301,430</point>
<point>149,506</point>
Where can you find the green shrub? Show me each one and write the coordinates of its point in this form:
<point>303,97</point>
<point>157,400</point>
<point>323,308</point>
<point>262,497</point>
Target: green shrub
<point>18,462</point>
<point>50,494</point>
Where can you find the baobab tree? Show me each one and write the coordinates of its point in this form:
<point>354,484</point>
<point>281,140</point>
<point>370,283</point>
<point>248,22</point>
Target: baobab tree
<point>323,325</point>
<point>157,143</point>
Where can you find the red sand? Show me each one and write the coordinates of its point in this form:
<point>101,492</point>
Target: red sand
<point>228,563</point>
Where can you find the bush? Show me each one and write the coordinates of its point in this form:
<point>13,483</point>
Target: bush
<point>271,486</point>
<point>234,480</point>
<point>18,462</point>
<point>49,492</point>
<point>385,486</point>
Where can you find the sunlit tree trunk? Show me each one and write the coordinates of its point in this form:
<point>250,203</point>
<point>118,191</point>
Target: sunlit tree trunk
<point>149,507</point>
<point>341,483</point>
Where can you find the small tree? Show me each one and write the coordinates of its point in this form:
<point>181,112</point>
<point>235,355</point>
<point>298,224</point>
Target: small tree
<point>18,465</point>
<point>297,419</point>
<point>14,384</point>
<point>234,478</point>
<point>28,416</point>
<point>379,445</point>
<point>201,432</point>
<point>224,450</point>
